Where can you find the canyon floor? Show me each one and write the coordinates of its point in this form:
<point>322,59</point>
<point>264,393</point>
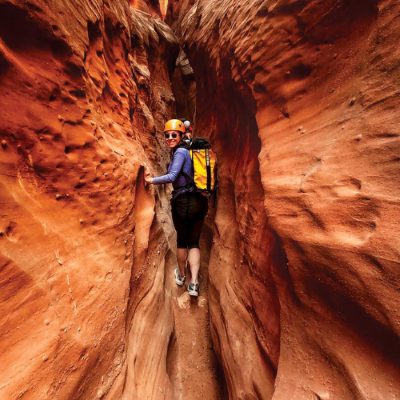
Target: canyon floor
<point>191,364</point>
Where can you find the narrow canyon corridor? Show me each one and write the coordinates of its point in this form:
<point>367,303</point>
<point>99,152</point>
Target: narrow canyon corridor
<point>191,362</point>
<point>299,278</point>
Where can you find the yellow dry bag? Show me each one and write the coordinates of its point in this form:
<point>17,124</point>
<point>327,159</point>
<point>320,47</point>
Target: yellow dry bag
<point>204,165</point>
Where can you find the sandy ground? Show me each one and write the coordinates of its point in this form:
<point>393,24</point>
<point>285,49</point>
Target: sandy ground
<point>192,364</point>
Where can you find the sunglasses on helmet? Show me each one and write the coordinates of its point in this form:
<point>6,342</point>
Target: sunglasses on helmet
<point>172,135</point>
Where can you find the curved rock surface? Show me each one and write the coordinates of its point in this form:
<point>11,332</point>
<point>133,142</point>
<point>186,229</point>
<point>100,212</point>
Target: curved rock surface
<point>84,92</point>
<point>305,120</point>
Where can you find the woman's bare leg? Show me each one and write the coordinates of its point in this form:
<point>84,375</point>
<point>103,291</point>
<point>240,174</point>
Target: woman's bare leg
<point>194,262</point>
<point>182,256</point>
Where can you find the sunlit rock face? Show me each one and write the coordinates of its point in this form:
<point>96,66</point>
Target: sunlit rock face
<point>301,102</point>
<point>84,92</point>
<point>152,6</point>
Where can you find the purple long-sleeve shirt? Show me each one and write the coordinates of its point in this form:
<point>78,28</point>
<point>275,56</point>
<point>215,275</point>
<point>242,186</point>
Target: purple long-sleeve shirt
<point>180,162</point>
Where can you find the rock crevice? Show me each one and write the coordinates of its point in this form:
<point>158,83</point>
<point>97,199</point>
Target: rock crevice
<point>313,82</point>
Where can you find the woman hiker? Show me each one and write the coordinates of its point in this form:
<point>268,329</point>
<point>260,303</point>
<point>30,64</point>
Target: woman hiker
<point>189,208</point>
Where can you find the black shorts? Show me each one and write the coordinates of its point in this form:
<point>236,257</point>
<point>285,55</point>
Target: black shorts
<point>188,213</point>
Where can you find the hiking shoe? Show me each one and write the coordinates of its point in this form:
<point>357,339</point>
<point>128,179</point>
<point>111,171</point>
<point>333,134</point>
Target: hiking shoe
<point>193,289</point>
<point>179,279</point>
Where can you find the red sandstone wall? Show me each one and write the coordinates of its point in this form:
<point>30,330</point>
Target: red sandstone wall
<point>84,92</point>
<point>305,121</point>
<point>184,88</point>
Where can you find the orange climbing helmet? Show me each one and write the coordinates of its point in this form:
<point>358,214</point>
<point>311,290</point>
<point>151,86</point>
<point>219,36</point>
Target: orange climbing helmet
<point>175,125</point>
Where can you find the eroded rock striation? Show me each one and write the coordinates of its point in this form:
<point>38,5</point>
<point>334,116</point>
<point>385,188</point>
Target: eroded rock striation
<point>304,116</point>
<point>84,92</point>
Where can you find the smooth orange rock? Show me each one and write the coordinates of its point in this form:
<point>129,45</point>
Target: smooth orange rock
<point>300,100</point>
<point>84,92</point>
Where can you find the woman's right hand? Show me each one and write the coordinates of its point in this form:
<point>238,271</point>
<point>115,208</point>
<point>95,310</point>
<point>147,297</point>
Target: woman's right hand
<point>147,174</point>
<point>148,179</point>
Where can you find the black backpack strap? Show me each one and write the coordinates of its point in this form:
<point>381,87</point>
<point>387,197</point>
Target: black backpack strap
<point>208,166</point>
<point>188,177</point>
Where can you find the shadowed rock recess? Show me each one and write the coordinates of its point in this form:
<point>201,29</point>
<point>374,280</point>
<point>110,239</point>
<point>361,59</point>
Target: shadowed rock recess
<point>300,290</point>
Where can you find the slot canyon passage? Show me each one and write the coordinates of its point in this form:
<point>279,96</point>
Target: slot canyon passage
<point>300,288</point>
